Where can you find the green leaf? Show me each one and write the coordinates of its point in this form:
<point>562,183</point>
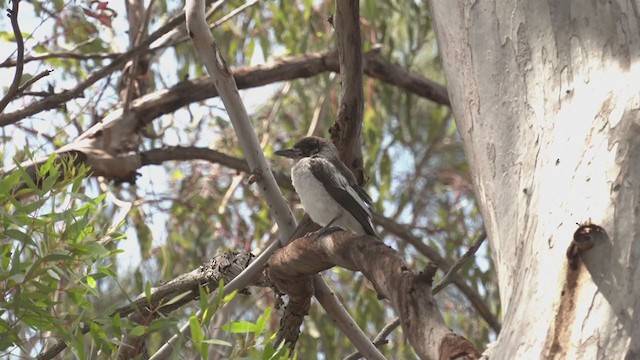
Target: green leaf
<point>240,327</point>
<point>89,248</point>
<point>229,297</point>
<point>53,274</point>
<point>91,281</point>
<point>138,330</point>
<point>177,298</point>
<point>262,321</point>
<point>147,290</point>
<point>196,331</point>
<point>217,342</point>
<point>7,183</point>
<point>20,236</point>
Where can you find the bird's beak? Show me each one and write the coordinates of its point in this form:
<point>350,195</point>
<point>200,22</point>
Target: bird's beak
<point>290,153</point>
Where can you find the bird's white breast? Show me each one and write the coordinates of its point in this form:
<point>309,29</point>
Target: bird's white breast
<point>317,202</point>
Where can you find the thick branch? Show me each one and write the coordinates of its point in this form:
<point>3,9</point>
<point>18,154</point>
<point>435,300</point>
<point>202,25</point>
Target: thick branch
<point>181,153</point>
<point>61,55</point>
<point>409,293</point>
<point>162,102</point>
<point>345,132</point>
<point>474,298</point>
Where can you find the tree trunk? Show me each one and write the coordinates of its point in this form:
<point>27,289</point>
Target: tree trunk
<point>546,95</point>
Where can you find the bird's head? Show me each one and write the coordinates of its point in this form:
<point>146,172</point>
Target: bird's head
<point>310,146</point>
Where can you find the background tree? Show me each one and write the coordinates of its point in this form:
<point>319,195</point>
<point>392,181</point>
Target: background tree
<point>546,101</point>
<point>120,111</point>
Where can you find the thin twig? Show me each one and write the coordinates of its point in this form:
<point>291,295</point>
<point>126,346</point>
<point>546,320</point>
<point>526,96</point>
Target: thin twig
<point>17,77</point>
<point>31,81</point>
<point>380,339</point>
<point>448,277</point>
<point>233,13</point>
<point>61,55</point>
<point>55,100</point>
<point>219,22</point>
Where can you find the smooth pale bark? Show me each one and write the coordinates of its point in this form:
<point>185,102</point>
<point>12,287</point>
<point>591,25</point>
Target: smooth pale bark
<point>546,95</point>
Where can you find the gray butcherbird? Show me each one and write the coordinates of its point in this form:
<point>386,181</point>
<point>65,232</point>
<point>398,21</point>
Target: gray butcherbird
<point>327,188</point>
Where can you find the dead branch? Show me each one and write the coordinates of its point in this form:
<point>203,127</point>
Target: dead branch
<point>448,277</point>
<point>33,80</point>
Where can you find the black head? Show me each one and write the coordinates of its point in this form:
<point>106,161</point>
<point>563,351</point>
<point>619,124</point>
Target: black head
<point>309,146</point>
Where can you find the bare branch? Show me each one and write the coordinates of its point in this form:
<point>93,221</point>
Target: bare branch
<point>409,293</point>
<point>53,101</point>
<point>62,55</point>
<point>474,298</point>
<point>346,131</point>
<point>448,277</point>
<point>377,67</point>
<point>17,76</point>
<point>158,156</point>
<point>32,81</point>
<point>162,102</point>
<point>380,339</point>
<point>166,101</point>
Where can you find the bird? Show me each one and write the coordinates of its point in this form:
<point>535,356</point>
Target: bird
<point>327,188</point>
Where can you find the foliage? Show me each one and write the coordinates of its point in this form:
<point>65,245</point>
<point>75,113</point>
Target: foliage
<point>56,259</point>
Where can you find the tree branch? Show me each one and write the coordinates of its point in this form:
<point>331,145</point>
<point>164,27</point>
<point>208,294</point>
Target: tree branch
<point>61,55</point>
<point>53,101</point>
<point>409,293</point>
<point>448,277</point>
<point>33,80</point>
<point>346,130</point>
<point>162,102</point>
<point>181,153</point>
<point>166,101</point>
<point>380,339</point>
<point>177,292</point>
<point>474,298</point>
<point>17,76</point>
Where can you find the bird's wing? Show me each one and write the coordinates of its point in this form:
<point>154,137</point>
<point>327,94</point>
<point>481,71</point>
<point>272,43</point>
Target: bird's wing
<point>343,169</point>
<point>337,185</point>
